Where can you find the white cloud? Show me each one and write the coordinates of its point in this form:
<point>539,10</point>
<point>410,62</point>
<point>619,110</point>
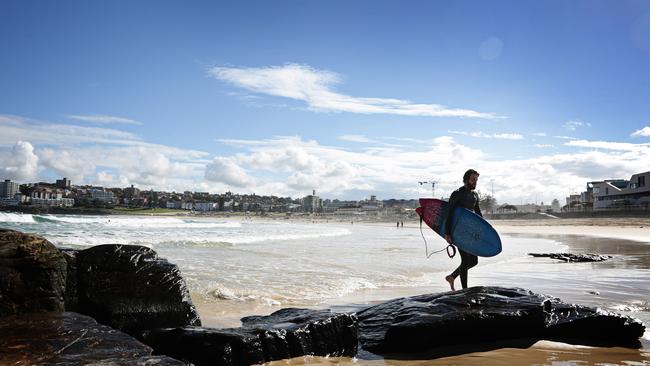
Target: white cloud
<point>574,124</point>
<point>565,137</point>
<point>645,131</point>
<point>291,166</point>
<point>502,136</point>
<point>79,152</point>
<point>21,163</point>
<point>103,119</point>
<point>105,179</point>
<point>15,128</point>
<point>356,138</point>
<point>607,145</point>
<point>315,87</point>
<point>544,145</point>
<point>225,170</point>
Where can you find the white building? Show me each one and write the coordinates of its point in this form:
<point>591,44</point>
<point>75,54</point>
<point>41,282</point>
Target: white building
<point>312,203</point>
<point>619,193</point>
<point>102,195</point>
<point>205,206</point>
<point>8,189</point>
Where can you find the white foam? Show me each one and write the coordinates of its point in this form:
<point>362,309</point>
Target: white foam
<point>16,218</point>
<point>246,239</point>
<point>138,222</point>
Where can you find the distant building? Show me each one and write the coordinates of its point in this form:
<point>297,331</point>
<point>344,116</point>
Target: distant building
<point>46,196</point>
<point>173,204</point>
<point>63,183</point>
<point>8,189</point>
<point>573,199</point>
<point>331,206</point>
<point>620,193</point>
<point>102,195</point>
<point>205,206</point>
<point>131,192</point>
<point>312,203</point>
<point>532,208</point>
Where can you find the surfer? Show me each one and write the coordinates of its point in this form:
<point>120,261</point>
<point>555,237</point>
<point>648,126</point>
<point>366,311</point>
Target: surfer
<point>467,198</point>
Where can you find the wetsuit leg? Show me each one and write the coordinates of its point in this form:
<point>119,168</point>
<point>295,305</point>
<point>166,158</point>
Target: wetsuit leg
<point>467,261</point>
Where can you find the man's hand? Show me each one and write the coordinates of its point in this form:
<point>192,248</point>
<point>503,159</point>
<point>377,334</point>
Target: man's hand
<point>448,239</point>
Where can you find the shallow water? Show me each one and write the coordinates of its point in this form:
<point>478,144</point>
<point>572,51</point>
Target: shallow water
<point>236,268</point>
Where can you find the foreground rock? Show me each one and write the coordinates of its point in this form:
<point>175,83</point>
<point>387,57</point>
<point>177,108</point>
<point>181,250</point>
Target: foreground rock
<point>481,314</point>
<point>568,257</point>
<point>130,288</point>
<point>284,334</point>
<point>56,338</point>
<point>32,274</point>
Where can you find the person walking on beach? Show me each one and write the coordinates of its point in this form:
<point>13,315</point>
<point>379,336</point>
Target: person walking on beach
<point>466,197</point>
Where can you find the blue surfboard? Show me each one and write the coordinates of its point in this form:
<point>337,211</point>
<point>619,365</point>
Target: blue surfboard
<point>469,231</point>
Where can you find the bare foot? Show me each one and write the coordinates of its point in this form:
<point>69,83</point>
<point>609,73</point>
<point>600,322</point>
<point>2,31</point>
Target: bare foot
<point>451,280</point>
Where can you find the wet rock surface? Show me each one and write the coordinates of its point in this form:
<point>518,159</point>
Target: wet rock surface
<point>482,314</point>
<point>32,274</point>
<point>130,288</point>
<point>71,295</point>
<point>284,334</point>
<point>569,257</point>
<point>55,338</point>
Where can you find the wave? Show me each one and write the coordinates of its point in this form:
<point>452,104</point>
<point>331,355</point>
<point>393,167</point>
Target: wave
<point>16,218</point>
<point>244,239</point>
<point>135,222</point>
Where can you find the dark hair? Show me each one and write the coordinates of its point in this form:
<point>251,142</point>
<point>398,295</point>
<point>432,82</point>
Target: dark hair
<point>468,174</point>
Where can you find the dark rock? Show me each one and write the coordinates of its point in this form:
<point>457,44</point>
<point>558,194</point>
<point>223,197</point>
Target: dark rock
<point>314,332</point>
<point>130,288</point>
<point>207,346</point>
<point>569,257</point>
<point>284,334</point>
<point>481,314</point>
<point>32,274</point>
<point>70,339</point>
<point>71,294</point>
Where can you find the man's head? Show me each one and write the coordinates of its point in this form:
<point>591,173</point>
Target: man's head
<point>470,178</point>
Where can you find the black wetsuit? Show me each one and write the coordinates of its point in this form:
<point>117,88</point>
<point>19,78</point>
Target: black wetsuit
<point>463,197</point>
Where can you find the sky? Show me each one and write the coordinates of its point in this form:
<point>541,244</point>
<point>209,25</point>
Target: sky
<point>348,98</point>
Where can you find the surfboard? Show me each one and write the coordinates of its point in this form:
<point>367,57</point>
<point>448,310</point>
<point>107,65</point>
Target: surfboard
<point>469,231</point>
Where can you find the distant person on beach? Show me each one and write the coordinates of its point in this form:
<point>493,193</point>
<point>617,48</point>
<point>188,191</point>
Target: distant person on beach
<point>466,197</point>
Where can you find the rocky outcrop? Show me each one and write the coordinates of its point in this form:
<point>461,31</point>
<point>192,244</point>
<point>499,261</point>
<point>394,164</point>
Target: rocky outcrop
<point>32,274</point>
<point>284,334</point>
<point>71,295</point>
<point>130,288</point>
<point>481,314</point>
<point>55,338</point>
<point>568,257</point>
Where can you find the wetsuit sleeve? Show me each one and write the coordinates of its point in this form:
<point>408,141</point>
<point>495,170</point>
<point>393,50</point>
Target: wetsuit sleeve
<point>477,208</point>
<point>453,202</point>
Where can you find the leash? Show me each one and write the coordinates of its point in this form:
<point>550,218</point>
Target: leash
<point>426,246</point>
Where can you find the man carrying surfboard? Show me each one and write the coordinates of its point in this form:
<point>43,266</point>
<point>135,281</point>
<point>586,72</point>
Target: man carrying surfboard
<point>466,197</point>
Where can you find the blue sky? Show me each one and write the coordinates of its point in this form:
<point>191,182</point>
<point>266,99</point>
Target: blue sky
<point>348,98</point>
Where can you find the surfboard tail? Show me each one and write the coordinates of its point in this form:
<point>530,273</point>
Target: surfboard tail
<point>432,212</point>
